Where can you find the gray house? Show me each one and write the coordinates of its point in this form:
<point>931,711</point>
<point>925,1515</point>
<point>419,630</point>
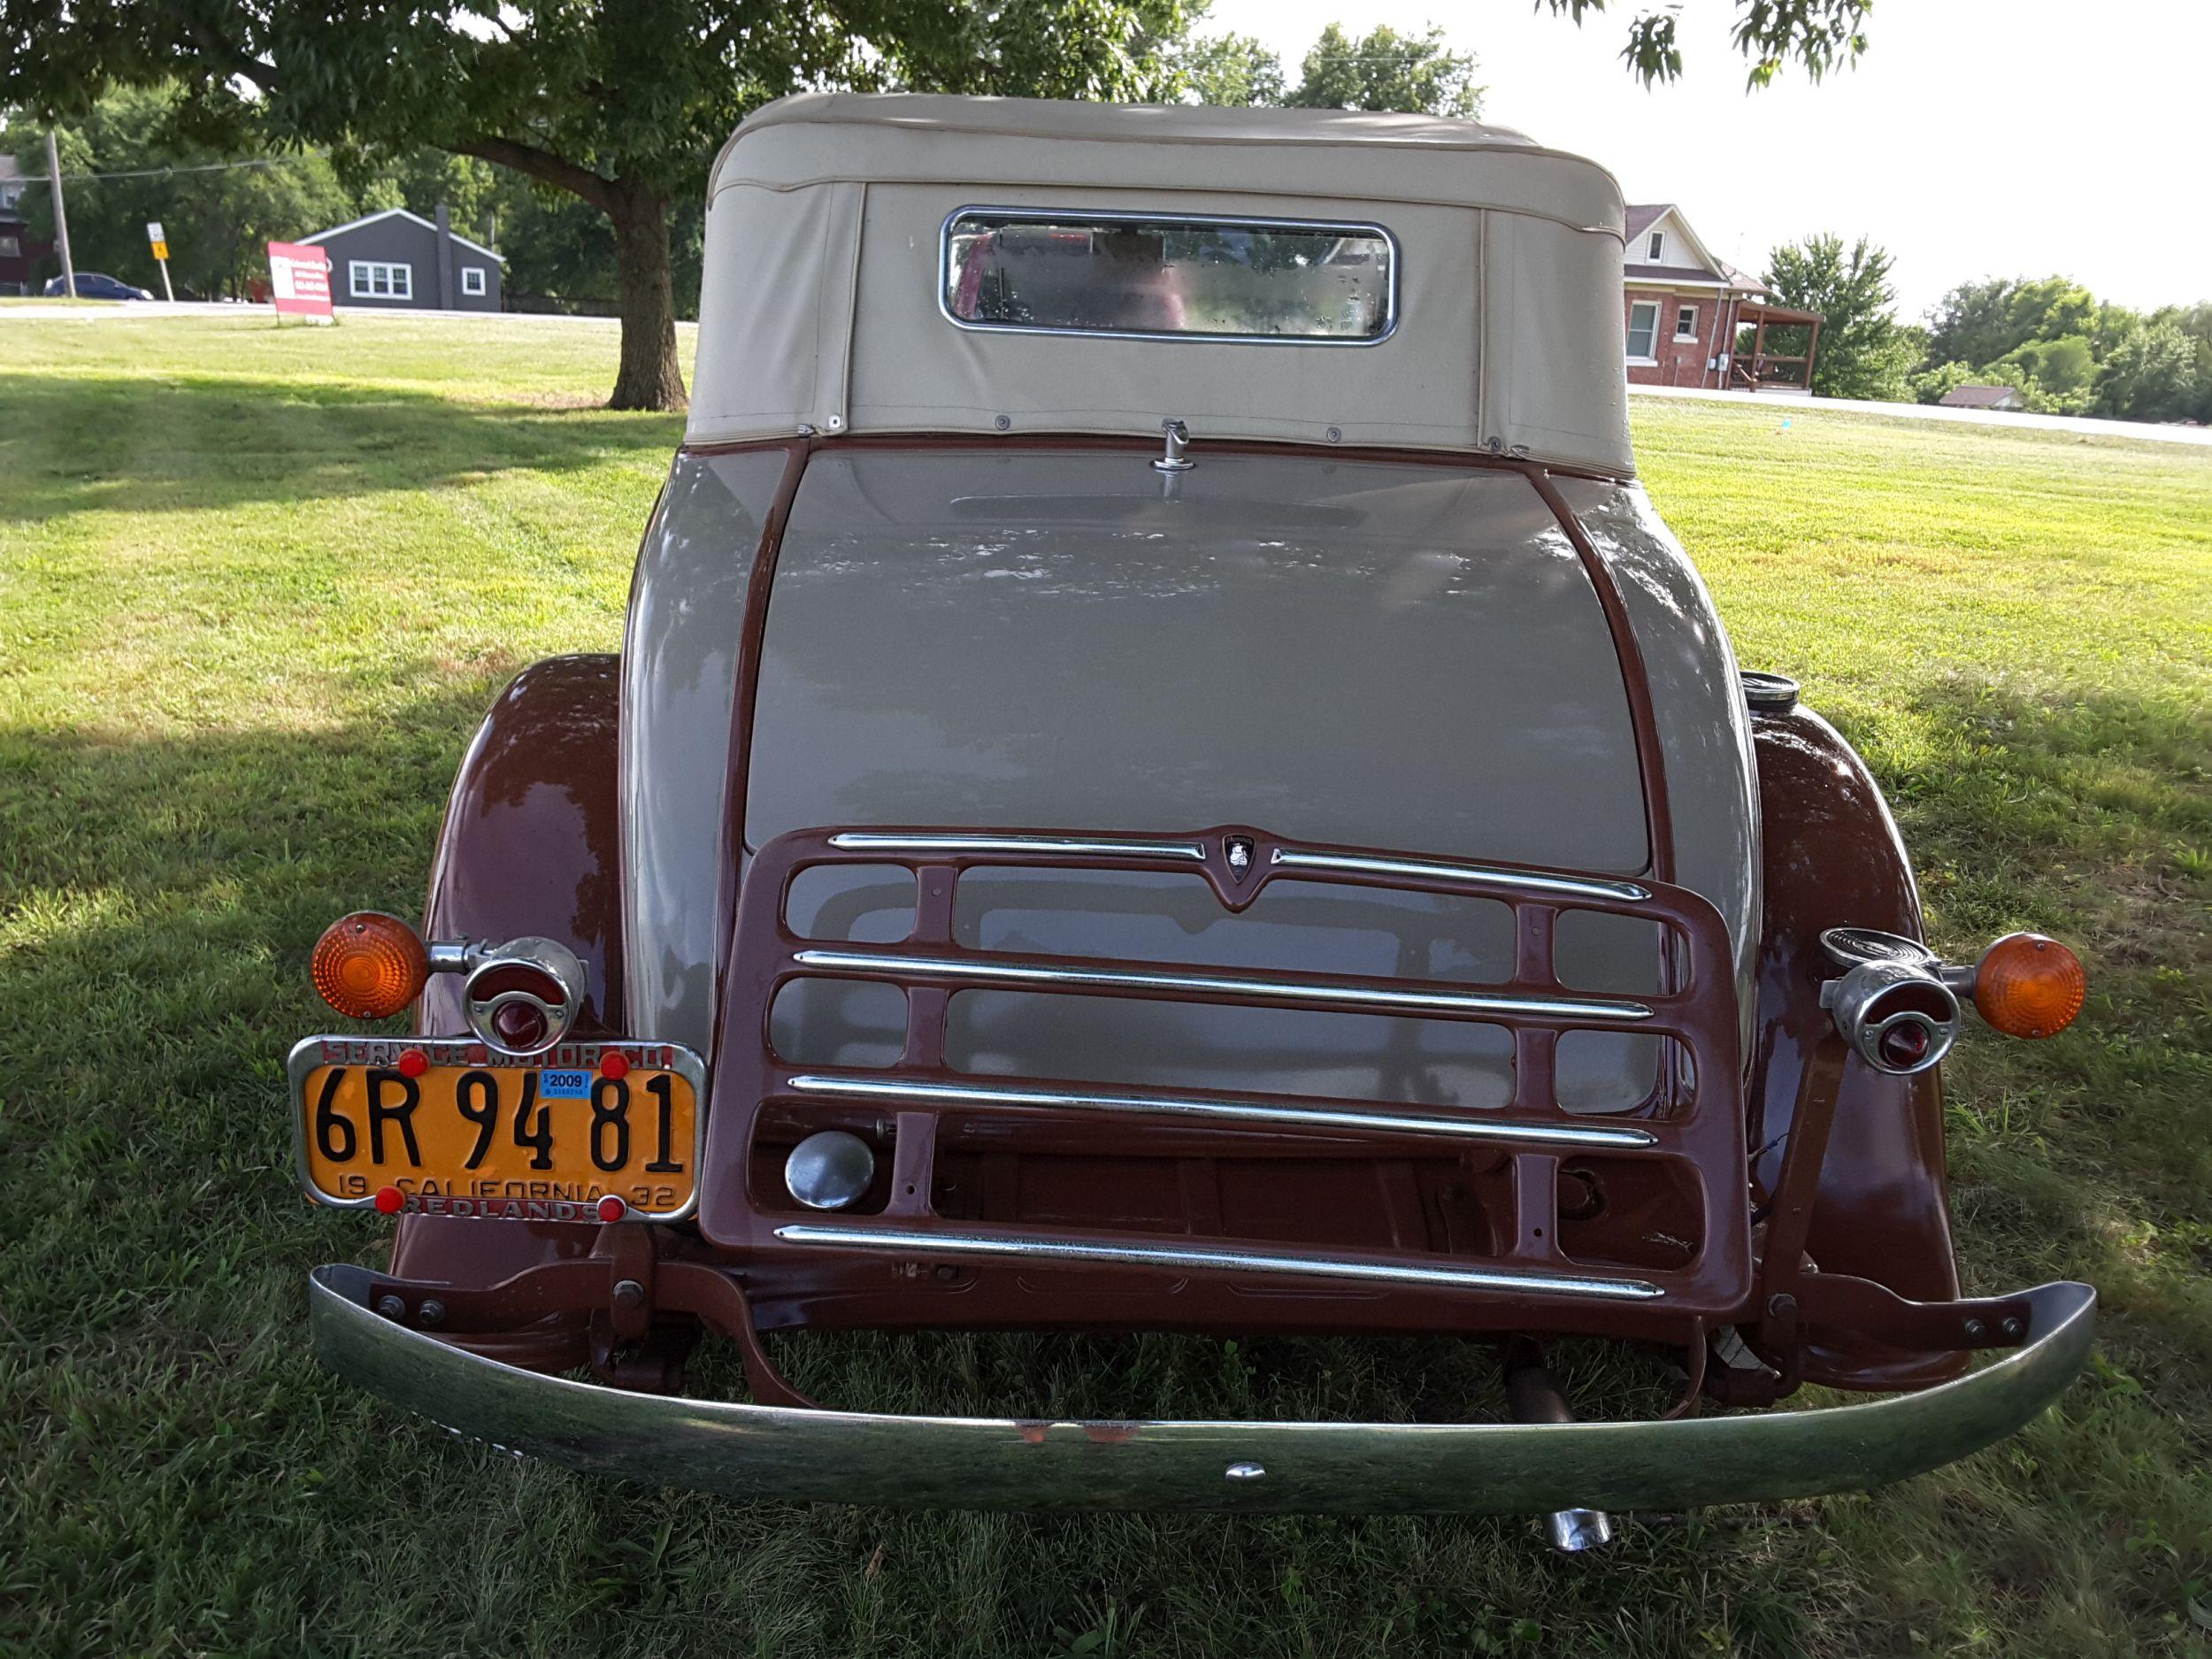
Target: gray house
<point>399,260</point>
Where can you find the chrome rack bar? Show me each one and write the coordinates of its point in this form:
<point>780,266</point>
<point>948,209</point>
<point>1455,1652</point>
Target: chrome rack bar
<point>1429,869</point>
<point>1022,1248</point>
<point>1474,1126</point>
<point>1068,846</point>
<point>1291,993</point>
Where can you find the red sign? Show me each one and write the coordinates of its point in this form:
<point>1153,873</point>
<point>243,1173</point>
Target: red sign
<point>299,279</point>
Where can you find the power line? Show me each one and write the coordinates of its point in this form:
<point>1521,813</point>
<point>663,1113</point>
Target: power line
<point>207,166</point>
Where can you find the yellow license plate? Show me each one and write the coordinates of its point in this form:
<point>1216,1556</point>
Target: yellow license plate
<point>443,1128</point>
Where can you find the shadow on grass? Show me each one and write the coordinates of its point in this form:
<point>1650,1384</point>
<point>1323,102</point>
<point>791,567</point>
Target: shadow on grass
<point>113,444</point>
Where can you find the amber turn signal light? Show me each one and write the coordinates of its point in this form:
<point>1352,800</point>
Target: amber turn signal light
<point>369,966</point>
<point>2028,986</point>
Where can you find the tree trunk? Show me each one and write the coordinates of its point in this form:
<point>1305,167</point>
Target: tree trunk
<point>650,376</point>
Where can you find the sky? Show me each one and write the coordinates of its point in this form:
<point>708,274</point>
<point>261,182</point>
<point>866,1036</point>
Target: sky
<point>1975,138</point>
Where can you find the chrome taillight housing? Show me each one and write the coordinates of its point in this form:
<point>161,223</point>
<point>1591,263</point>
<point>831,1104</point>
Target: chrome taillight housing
<point>522,997</point>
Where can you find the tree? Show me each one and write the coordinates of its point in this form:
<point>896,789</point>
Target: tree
<point>1232,69</point>
<point>2151,375</point>
<point>1386,70</point>
<point>219,205</point>
<point>2064,365</point>
<point>1864,350</point>
<point>1980,322</point>
<point>620,104</point>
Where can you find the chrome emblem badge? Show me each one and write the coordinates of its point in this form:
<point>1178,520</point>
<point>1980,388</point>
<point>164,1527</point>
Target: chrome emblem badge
<point>1238,851</point>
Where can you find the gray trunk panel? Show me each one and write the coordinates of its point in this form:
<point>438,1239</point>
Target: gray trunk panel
<point>1384,655</point>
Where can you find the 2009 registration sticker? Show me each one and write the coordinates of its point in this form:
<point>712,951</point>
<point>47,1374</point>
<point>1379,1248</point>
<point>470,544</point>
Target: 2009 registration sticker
<point>446,1127</point>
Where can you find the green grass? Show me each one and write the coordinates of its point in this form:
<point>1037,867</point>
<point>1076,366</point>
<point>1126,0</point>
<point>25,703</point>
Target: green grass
<point>256,585</point>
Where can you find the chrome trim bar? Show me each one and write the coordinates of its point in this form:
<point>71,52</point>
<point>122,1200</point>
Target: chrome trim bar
<point>923,1241</point>
<point>1614,1010</point>
<point>1076,846</point>
<point>1476,1127</point>
<point>1426,869</point>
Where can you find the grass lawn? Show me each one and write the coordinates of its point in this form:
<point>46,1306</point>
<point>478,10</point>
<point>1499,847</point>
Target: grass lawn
<point>255,588</point>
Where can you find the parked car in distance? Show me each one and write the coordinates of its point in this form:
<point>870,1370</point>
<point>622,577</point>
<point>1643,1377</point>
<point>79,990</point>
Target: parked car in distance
<point>1164,774</point>
<point>94,285</point>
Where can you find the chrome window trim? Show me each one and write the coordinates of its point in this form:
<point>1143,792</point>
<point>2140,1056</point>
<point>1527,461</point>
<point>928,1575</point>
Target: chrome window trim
<point>1526,880</point>
<point>925,1241</point>
<point>1214,220</point>
<point>988,970</point>
<point>1074,846</point>
<point>1472,1127</point>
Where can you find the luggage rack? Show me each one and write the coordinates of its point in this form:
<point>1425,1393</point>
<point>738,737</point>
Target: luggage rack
<point>1694,1125</point>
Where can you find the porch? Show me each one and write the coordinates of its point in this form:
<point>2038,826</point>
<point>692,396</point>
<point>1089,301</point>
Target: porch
<point>1753,368</point>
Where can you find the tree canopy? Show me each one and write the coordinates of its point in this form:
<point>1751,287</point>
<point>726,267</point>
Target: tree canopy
<point>1382,70</point>
<point>2068,352</point>
<point>221,203</point>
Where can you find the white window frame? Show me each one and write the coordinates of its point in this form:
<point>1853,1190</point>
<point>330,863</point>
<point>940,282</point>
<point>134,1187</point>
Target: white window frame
<point>362,276</point>
<point>1651,333</point>
<point>1656,249</point>
<point>1681,332</point>
<point>472,280</point>
<point>10,245</point>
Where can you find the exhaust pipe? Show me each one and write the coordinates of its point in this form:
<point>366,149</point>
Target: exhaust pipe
<point>1896,1014</point>
<point>1533,1396</point>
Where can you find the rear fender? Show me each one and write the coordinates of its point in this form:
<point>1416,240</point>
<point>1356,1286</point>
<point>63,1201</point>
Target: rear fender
<point>1834,858</point>
<point>529,845</point>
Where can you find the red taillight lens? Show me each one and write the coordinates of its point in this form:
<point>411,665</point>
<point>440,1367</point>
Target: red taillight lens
<point>1905,1045</point>
<point>369,966</point>
<point>2028,986</point>
<point>520,1025</point>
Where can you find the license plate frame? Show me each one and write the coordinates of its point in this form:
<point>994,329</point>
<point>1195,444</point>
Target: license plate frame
<point>460,1194</point>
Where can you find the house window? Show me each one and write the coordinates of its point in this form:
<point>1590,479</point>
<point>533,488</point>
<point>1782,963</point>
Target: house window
<point>1656,249</point>
<point>10,247</point>
<point>1643,331</point>
<point>371,279</point>
<point>471,278</point>
<point>1685,322</point>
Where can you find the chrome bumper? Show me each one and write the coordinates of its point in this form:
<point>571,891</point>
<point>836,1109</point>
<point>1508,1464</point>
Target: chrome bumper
<point>751,1451</point>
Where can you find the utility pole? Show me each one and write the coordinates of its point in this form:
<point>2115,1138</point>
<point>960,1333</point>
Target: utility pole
<point>61,218</point>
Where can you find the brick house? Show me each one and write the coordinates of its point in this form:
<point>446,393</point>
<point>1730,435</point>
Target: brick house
<point>20,250</point>
<point>1693,320</point>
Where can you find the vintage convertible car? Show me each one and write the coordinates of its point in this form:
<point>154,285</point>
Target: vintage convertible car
<point>1163,775</point>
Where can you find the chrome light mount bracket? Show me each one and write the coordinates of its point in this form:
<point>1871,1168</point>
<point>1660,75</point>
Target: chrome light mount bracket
<point>1175,436</point>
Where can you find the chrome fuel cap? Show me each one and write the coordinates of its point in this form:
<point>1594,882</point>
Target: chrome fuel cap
<point>829,1170</point>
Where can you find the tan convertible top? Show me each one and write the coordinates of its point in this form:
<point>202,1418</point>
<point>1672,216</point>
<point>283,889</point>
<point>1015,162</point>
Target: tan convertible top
<point>820,304</point>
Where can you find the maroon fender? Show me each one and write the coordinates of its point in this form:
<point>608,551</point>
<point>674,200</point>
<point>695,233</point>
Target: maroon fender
<point>1834,858</point>
<point>529,846</point>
